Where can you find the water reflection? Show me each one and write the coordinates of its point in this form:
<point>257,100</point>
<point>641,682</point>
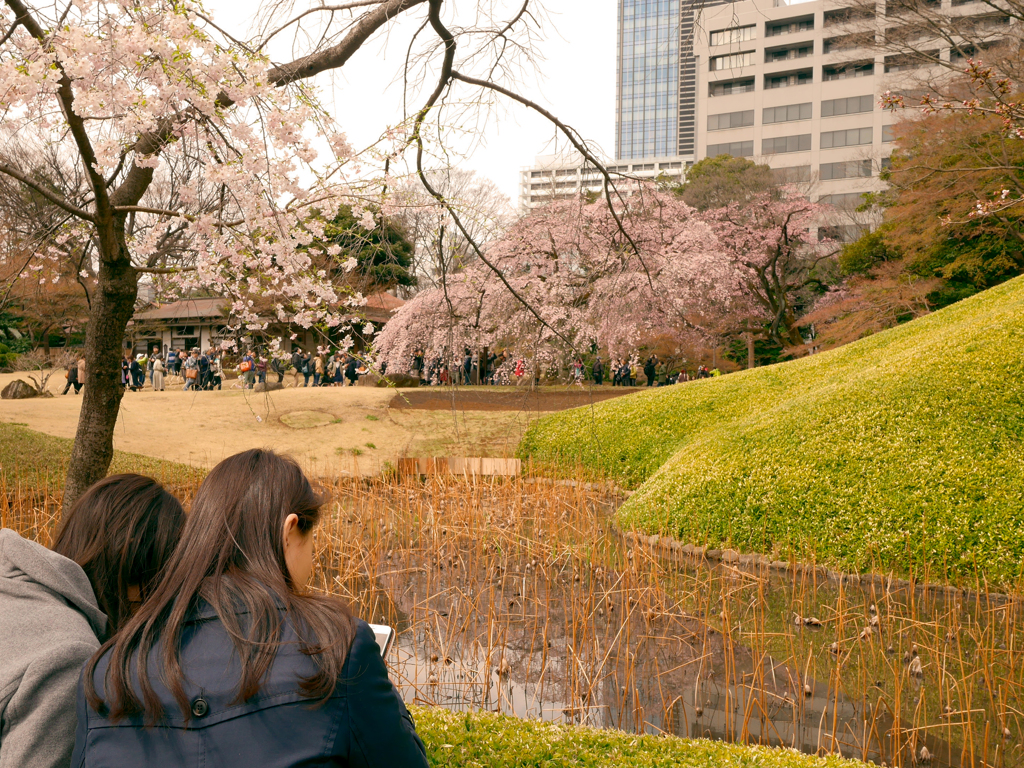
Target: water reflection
<point>535,607</point>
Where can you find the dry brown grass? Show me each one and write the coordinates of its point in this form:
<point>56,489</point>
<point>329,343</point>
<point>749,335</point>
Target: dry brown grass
<point>519,596</point>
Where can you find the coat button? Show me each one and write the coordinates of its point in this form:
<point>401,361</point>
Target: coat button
<point>200,707</point>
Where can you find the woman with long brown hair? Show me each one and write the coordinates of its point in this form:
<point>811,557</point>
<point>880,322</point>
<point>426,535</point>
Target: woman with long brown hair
<point>58,604</point>
<point>230,662</point>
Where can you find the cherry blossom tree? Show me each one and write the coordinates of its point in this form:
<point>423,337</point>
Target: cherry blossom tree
<point>766,240</point>
<point>658,268</point>
<point>574,274</point>
<point>202,160</point>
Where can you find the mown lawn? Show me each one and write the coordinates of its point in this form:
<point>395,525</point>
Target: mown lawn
<point>36,460</point>
<point>487,740</point>
<point>903,451</point>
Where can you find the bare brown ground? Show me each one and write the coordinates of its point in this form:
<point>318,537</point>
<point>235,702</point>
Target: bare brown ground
<point>353,428</point>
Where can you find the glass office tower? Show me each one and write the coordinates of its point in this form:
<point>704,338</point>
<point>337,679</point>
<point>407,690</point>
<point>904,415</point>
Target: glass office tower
<point>655,79</point>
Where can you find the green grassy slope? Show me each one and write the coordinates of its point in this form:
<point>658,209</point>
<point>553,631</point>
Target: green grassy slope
<point>456,739</point>
<point>901,451</point>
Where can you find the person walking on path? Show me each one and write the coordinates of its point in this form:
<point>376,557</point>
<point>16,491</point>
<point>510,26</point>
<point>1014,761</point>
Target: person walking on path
<point>158,374</point>
<point>204,370</point>
<point>297,364</point>
<point>650,370</point>
<point>318,370</point>
<point>352,371</point>
<point>598,371</point>
<point>247,367</point>
<point>216,371</point>
<point>191,372</point>
<point>72,377</point>
<point>81,370</point>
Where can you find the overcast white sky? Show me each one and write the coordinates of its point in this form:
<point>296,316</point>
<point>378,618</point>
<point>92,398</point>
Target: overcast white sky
<point>577,83</point>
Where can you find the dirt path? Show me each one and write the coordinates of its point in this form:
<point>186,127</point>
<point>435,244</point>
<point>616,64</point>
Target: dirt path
<point>545,399</point>
<point>329,430</point>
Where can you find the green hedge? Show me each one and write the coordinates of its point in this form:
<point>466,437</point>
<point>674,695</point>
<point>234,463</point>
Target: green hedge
<point>901,451</point>
<point>487,740</point>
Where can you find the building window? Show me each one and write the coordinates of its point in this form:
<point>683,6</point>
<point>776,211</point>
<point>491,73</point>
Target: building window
<point>788,26</point>
<point>735,148</point>
<point>848,106</point>
<point>733,35</point>
<point>801,51</point>
<point>851,169</point>
<point>887,136</point>
<point>792,174</point>
<point>848,200</point>
<point>909,62</point>
<point>536,174</point>
<point>842,43</point>
<point>886,163</point>
<point>787,114</point>
<point>782,144</point>
<point>730,120</point>
<point>732,61</point>
<point>849,138</point>
<point>644,167</point>
<point>788,79</point>
<point>667,166</point>
<point>729,87</point>
<point>846,15</point>
<point>846,71</point>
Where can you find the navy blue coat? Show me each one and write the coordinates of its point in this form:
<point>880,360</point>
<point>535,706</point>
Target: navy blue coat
<point>364,723</point>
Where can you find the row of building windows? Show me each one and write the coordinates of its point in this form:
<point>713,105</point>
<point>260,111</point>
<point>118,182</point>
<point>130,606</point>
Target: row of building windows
<point>791,113</point>
<point>592,176</point>
<point>852,169</point>
<point>735,35</point>
<point>777,145</point>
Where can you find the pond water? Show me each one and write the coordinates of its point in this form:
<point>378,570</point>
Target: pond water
<point>521,598</point>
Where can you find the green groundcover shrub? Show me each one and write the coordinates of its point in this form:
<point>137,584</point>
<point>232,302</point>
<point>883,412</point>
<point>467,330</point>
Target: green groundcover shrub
<point>457,740</point>
<point>902,451</point>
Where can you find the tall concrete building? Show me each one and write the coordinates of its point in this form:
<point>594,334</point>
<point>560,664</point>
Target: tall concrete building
<point>655,89</point>
<point>791,84</point>
<point>787,83</point>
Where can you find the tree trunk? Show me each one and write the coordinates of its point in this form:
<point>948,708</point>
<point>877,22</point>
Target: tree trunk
<point>112,307</point>
<point>751,362</point>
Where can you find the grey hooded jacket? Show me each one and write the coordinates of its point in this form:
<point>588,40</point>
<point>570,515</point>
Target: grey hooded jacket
<point>49,625</point>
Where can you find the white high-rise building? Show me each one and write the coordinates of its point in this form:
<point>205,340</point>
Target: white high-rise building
<point>792,85</point>
<point>561,177</point>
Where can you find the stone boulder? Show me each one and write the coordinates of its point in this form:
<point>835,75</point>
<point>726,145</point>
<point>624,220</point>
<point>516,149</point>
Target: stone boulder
<point>267,386</point>
<point>19,390</point>
<point>401,380</point>
<point>370,379</point>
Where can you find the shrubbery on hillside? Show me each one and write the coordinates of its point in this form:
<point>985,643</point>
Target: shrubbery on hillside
<point>902,451</point>
<point>457,739</point>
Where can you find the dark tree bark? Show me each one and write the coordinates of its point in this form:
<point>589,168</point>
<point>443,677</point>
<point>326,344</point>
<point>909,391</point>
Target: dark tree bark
<point>112,307</point>
<point>117,281</point>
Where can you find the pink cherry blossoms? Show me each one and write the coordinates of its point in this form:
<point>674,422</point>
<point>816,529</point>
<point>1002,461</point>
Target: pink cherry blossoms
<point>672,272</point>
<point>214,168</point>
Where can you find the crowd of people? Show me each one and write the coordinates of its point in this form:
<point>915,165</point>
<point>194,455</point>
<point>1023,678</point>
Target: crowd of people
<point>143,637</point>
<point>499,368</point>
<point>203,370</point>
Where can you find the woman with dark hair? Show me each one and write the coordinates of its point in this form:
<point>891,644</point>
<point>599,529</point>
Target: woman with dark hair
<point>230,662</point>
<point>56,605</point>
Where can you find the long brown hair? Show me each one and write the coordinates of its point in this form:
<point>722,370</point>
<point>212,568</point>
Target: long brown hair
<point>231,555</point>
<point>122,531</point>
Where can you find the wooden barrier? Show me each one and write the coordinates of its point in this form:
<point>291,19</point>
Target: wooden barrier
<point>469,467</point>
